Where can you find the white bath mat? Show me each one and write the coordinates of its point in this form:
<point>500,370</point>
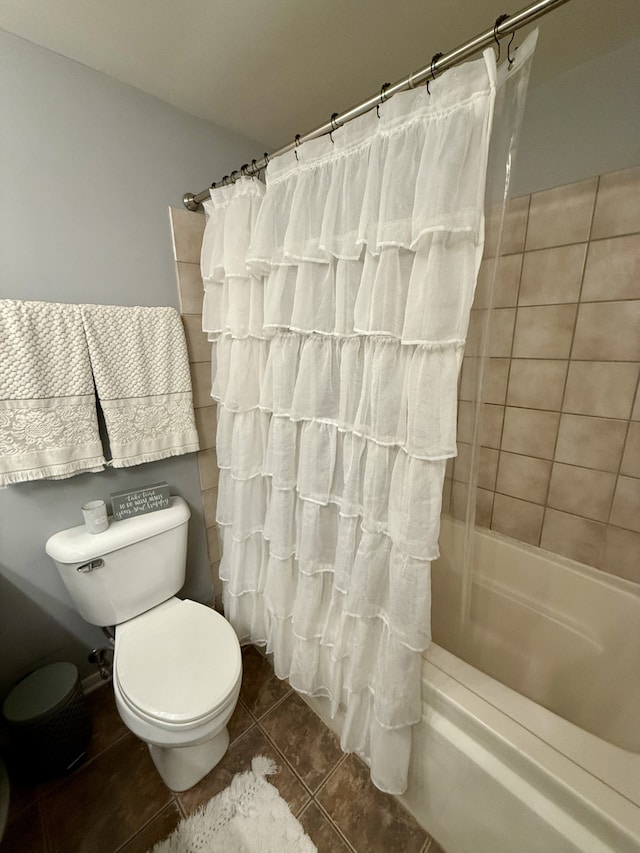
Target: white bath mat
<point>249,816</point>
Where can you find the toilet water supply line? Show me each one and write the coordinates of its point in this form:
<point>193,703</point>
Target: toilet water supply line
<point>503,26</point>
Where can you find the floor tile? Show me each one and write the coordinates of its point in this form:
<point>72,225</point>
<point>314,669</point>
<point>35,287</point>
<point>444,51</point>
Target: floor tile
<point>321,831</point>
<point>239,722</point>
<point>261,688</point>
<point>237,760</point>
<point>310,747</point>
<point>107,724</point>
<point>24,833</point>
<point>102,805</point>
<point>370,820</point>
<point>158,829</point>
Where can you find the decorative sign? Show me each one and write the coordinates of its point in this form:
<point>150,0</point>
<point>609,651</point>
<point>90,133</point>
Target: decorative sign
<point>140,501</point>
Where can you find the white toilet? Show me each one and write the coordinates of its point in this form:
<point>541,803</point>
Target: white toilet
<point>177,666</point>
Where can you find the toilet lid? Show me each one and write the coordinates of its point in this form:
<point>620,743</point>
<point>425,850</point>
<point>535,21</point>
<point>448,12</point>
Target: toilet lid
<point>177,663</point>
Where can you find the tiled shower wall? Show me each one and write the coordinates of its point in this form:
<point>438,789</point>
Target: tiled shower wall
<point>560,458</point>
<point>187,229</point>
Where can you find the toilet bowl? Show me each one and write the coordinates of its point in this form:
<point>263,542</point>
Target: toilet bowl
<point>177,665</point>
<point>171,695</point>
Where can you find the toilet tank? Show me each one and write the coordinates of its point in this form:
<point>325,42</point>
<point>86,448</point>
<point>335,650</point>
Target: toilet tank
<point>135,564</point>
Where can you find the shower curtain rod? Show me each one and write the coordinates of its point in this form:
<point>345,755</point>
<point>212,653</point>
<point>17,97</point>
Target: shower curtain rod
<point>504,25</point>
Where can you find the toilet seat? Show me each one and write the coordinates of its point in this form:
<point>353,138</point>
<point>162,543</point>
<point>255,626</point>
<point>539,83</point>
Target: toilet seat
<point>177,665</point>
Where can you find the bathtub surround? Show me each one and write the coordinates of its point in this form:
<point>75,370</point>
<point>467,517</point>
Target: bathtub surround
<point>95,164</point>
<point>559,464</point>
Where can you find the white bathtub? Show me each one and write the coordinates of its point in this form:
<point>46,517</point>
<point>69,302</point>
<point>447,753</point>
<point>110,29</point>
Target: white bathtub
<point>492,770</point>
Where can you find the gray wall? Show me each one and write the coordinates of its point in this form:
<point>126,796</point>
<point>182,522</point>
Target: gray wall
<point>583,123</point>
<point>88,168</point>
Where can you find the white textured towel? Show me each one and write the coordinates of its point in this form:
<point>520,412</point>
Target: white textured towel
<point>48,424</point>
<point>141,370</point>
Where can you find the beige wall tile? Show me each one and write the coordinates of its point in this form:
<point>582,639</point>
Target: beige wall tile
<point>209,504</point>
<point>635,414</point>
<point>551,276</point>
<point>530,432</point>
<point>631,457</point>
<point>544,331</point>
<point>536,383</point>
<point>590,442</point>
<point>207,424</point>
<point>562,215</point>
<point>187,228</point>
<point>473,343</point>
<point>484,507</point>
<point>515,225</point>
<point>613,269</point>
<point>507,282</point>
<point>621,555</point>
<point>618,204</point>
<point>487,468</point>
<point>608,331</point>
<point>523,477</point>
<point>467,389</point>
<point>581,491</point>
<point>578,538</point>
<point>201,384</point>
<point>190,288</point>
<point>518,519</point>
<point>501,332</point>
<point>598,388</point>
<point>213,545</point>
<point>625,511</point>
<point>208,469</point>
<point>491,425</point>
<point>198,346</point>
<point>495,385</point>
<point>465,420</point>
<point>217,586</point>
<point>458,504</point>
<point>462,463</point>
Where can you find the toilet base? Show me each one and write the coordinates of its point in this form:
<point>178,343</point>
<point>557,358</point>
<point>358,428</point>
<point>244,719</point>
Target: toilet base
<point>182,767</point>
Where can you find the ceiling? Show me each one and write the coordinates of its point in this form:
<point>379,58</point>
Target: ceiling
<point>269,70</point>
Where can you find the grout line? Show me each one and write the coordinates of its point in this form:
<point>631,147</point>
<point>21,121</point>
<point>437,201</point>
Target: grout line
<point>287,763</point>
<point>336,827</point>
<point>144,825</point>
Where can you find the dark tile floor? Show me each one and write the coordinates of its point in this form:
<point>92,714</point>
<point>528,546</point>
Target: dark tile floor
<point>117,802</point>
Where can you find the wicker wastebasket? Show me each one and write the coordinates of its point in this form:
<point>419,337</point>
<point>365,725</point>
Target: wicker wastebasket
<point>49,724</point>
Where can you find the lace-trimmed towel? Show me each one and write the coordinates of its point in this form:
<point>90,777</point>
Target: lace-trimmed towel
<point>141,370</point>
<point>48,424</point>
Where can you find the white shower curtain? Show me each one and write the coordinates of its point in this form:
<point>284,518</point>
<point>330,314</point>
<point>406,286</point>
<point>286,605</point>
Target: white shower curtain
<point>337,300</point>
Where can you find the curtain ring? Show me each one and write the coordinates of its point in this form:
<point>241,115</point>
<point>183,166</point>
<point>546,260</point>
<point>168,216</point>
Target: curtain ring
<point>243,170</point>
<point>297,141</point>
<point>334,126</point>
<point>510,59</point>
<point>499,20</point>
<point>383,89</point>
<point>225,180</point>
<point>266,158</point>
<point>231,178</point>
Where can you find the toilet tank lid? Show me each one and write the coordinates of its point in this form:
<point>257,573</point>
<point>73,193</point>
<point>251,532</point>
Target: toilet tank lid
<point>76,545</point>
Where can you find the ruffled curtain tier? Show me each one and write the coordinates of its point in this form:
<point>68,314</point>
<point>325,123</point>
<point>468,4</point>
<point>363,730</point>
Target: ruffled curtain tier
<point>337,301</point>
